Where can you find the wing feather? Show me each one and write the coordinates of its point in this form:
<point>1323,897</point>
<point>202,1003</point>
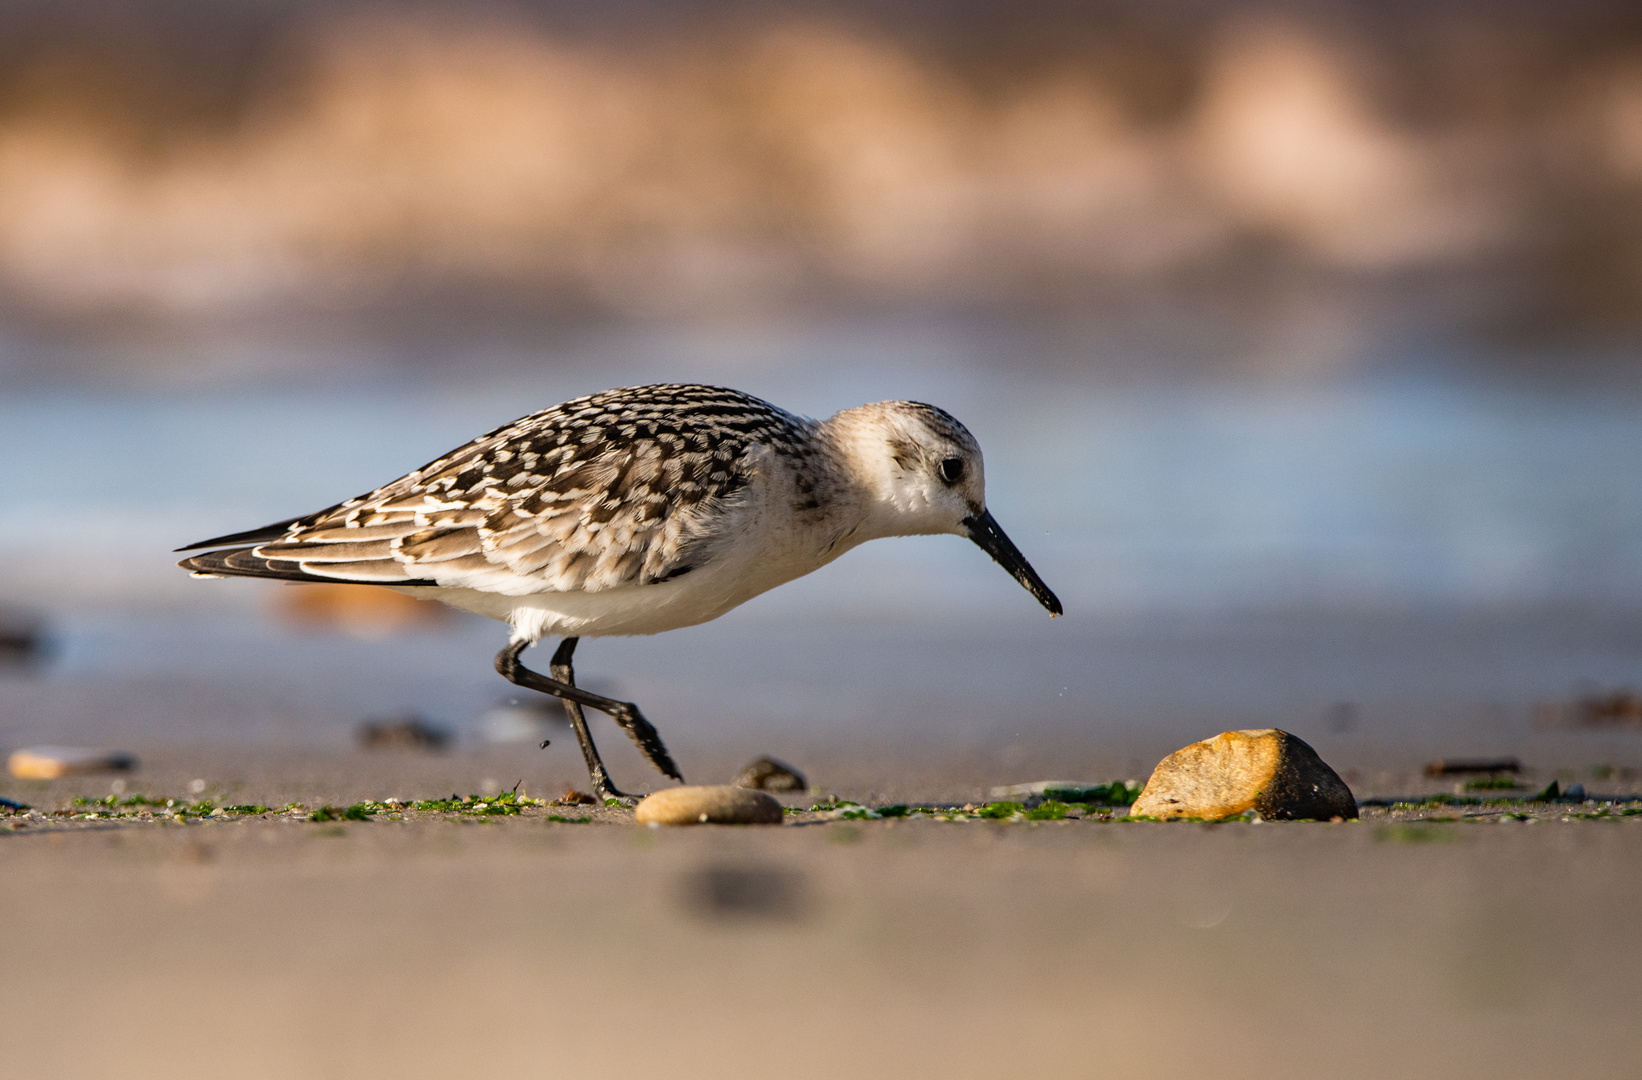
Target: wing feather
<point>622,488</point>
<point>372,551</point>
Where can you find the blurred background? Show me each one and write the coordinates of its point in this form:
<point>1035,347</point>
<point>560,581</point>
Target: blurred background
<point>1302,338</point>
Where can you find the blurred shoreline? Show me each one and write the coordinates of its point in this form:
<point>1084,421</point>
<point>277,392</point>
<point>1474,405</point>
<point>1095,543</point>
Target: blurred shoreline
<point>175,162</point>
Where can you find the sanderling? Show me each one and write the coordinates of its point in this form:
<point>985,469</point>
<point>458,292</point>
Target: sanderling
<point>632,512</point>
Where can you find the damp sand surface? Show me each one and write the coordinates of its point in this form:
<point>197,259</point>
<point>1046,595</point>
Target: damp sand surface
<point>1425,939</point>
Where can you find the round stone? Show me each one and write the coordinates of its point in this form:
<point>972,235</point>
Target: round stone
<point>714,805</point>
<point>1271,772</point>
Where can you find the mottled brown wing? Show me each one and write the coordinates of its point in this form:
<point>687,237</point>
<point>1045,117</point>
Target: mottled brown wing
<point>621,488</point>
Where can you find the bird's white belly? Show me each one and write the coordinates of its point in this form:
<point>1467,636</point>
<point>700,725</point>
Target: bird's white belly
<point>742,567</point>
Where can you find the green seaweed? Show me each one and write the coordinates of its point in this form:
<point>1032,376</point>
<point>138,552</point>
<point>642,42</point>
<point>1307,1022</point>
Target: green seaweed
<point>113,806</point>
<point>568,820</point>
<point>453,804</point>
<point>1048,811</point>
<point>1609,812</point>
<point>1116,793</point>
<point>1000,811</point>
<point>502,804</point>
<point>359,811</point>
<point>846,809</point>
<point>1492,783</point>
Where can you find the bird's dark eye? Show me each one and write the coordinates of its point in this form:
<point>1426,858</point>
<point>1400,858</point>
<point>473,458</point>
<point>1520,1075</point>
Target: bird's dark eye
<point>951,470</point>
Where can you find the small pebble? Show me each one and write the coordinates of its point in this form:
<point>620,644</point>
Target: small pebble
<point>714,805</point>
<point>769,774</point>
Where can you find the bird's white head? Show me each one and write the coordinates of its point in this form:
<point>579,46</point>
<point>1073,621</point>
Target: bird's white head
<point>920,469</point>
<point>921,473</point>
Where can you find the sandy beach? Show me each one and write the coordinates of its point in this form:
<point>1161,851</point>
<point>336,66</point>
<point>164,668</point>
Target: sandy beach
<point>1417,941</point>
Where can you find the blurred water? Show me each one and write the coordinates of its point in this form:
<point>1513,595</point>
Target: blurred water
<point>1375,489</point>
<point>1433,546</point>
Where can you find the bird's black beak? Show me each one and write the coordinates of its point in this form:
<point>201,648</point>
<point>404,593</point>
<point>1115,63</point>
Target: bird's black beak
<point>991,539</point>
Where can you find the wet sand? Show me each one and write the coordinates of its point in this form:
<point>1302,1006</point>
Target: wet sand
<point>446,945</point>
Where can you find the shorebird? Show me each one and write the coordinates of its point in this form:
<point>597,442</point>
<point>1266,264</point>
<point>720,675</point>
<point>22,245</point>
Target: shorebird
<point>636,511</point>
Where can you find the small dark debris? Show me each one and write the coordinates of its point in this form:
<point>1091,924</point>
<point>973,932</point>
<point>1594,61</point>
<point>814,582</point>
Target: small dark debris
<point>1343,717</point>
<point>12,805</point>
<point>22,639</point>
<point>768,774</point>
<point>402,733</point>
<point>1469,766</point>
<point>572,797</point>
<point>1621,708</point>
<point>746,893</point>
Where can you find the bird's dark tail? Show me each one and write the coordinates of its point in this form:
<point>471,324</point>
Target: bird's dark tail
<point>245,562</point>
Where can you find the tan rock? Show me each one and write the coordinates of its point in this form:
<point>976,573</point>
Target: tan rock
<point>715,805</point>
<point>50,762</point>
<point>1265,770</point>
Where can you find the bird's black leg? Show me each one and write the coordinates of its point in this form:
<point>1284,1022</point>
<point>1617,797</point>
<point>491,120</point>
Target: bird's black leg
<point>562,672</point>
<point>641,731</point>
<point>563,686</point>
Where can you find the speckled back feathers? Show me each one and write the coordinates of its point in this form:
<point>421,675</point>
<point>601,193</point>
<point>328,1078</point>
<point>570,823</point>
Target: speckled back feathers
<point>612,489</point>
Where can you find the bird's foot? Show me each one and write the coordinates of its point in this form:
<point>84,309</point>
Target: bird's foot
<point>609,794</point>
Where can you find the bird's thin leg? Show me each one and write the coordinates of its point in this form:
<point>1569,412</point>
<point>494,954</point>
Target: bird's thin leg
<point>641,731</point>
<point>563,686</point>
<point>603,787</point>
<point>507,662</point>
